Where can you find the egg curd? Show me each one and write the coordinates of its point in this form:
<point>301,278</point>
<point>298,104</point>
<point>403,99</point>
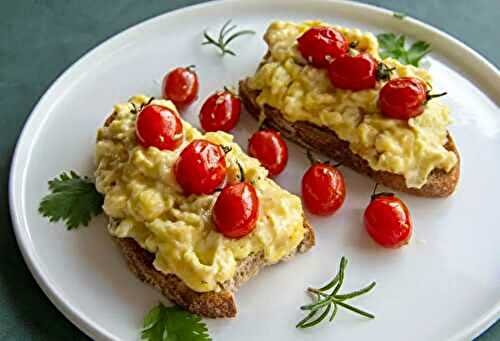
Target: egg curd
<point>142,195</point>
<point>302,92</point>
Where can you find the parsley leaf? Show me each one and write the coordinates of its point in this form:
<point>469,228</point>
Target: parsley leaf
<point>73,199</point>
<point>394,47</point>
<point>173,324</point>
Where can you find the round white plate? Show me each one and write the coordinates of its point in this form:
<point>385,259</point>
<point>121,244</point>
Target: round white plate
<point>444,285</point>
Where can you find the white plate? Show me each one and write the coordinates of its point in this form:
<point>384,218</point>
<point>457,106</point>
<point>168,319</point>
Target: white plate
<point>444,285</point>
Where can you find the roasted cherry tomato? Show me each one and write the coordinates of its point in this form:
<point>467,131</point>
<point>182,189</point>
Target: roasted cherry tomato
<point>181,86</point>
<point>236,210</point>
<point>404,98</point>
<point>321,45</point>
<point>353,72</point>
<point>387,220</point>
<point>159,127</point>
<point>221,111</point>
<point>270,149</point>
<point>200,168</point>
<point>323,189</point>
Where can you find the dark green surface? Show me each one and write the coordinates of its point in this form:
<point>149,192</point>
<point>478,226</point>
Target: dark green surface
<point>40,38</point>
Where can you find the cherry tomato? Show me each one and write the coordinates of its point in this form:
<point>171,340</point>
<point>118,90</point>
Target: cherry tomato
<point>403,98</point>
<point>236,210</point>
<point>159,127</point>
<point>323,189</point>
<point>200,168</point>
<point>353,72</point>
<point>387,220</point>
<point>270,149</point>
<point>321,45</point>
<point>221,111</point>
<point>181,86</point>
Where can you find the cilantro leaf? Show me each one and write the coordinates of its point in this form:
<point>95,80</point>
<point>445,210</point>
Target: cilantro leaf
<point>173,324</point>
<point>73,199</point>
<point>417,51</point>
<point>394,47</point>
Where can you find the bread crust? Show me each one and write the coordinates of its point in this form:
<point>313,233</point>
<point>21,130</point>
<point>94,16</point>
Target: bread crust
<point>213,304</point>
<point>326,141</point>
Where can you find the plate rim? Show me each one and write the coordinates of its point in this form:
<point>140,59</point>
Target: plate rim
<point>17,172</point>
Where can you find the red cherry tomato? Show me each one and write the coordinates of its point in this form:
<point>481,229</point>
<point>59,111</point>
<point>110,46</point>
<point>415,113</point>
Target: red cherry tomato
<point>221,111</point>
<point>321,45</point>
<point>181,86</point>
<point>353,72</point>
<point>403,98</point>
<point>159,127</point>
<point>387,220</point>
<point>200,168</point>
<point>323,189</point>
<point>236,210</point>
<point>270,149</point>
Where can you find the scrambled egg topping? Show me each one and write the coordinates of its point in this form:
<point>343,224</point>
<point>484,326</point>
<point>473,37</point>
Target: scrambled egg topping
<point>141,193</point>
<point>302,92</point>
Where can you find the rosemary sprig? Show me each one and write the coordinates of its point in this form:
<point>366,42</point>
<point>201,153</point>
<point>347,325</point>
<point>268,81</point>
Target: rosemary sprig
<point>223,40</point>
<point>324,301</point>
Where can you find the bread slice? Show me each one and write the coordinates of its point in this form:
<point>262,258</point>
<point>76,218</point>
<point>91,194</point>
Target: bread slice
<point>220,304</point>
<point>209,304</point>
<point>325,141</point>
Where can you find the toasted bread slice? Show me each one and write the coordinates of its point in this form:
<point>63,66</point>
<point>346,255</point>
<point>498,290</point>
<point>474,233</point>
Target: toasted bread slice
<point>209,304</point>
<point>220,304</point>
<point>325,141</point>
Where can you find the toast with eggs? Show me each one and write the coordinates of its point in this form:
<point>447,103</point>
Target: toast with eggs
<point>168,239</point>
<point>417,156</point>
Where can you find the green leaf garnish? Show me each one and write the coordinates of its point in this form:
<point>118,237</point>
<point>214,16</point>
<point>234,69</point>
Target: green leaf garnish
<point>73,199</point>
<point>398,15</point>
<point>394,47</point>
<point>173,324</point>
<point>223,41</point>
<point>323,301</point>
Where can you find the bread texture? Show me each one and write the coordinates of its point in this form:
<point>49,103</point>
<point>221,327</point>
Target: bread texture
<point>213,304</point>
<point>325,141</point>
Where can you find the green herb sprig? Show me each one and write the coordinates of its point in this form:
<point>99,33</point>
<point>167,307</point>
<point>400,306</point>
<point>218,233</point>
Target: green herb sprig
<point>73,199</point>
<point>173,324</point>
<point>223,40</point>
<point>325,302</point>
<point>399,15</point>
<point>394,46</point>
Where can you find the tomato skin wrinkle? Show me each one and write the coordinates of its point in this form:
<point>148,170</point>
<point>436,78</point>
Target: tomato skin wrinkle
<point>181,86</point>
<point>220,111</point>
<point>236,210</point>
<point>353,72</point>
<point>403,98</point>
<point>320,45</point>
<point>200,168</point>
<point>323,189</point>
<point>270,149</point>
<point>158,126</point>
<point>387,220</point>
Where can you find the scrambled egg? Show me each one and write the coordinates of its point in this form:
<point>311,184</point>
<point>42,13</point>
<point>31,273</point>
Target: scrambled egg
<point>301,92</point>
<point>142,194</point>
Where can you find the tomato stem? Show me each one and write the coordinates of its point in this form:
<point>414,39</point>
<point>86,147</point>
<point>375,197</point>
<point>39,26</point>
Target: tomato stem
<point>383,72</point>
<point>190,67</point>
<point>429,96</point>
<point>381,194</point>
<point>242,172</point>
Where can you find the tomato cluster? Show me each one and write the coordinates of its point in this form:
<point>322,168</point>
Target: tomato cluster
<point>400,98</point>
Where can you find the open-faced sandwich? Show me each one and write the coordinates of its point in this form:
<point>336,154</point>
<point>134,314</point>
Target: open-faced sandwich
<point>327,88</point>
<point>193,214</point>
